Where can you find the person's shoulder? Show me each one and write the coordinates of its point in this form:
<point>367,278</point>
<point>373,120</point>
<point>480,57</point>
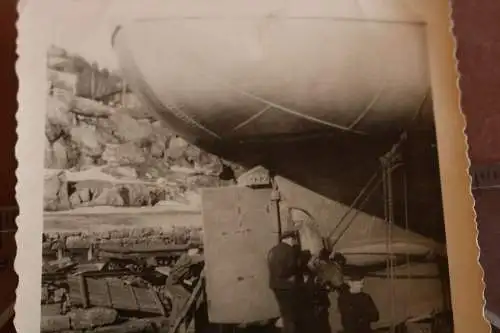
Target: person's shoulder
<point>365,295</point>
<point>273,250</point>
<point>343,289</point>
<point>196,259</point>
<point>281,247</point>
<point>274,247</point>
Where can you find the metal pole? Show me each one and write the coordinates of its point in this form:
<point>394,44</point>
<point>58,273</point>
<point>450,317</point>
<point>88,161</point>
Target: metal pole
<point>278,219</point>
<point>388,160</point>
<point>124,91</point>
<point>275,198</point>
<point>385,169</point>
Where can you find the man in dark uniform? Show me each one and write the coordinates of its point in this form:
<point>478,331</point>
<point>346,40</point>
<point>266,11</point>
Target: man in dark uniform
<point>285,279</point>
<point>316,304</point>
<point>179,283</point>
<point>357,309</point>
<point>327,278</point>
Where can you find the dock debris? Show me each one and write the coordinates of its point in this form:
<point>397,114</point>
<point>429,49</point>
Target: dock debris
<point>112,281</point>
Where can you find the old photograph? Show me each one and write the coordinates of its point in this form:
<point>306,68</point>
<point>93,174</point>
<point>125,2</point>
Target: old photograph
<point>262,168</point>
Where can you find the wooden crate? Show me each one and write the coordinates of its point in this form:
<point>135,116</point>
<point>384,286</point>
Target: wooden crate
<point>89,292</point>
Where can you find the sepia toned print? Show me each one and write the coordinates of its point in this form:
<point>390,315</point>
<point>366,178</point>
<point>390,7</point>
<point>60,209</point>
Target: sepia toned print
<point>243,170</point>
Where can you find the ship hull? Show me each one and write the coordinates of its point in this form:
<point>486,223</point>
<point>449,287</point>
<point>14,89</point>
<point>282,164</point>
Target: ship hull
<point>316,96</point>
<point>355,69</point>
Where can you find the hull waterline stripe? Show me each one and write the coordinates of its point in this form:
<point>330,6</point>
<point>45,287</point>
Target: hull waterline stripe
<point>421,107</point>
<point>203,72</point>
<point>288,110</point>
<point>255,116</point>
<point>150,94</point>
<point>367,109</point>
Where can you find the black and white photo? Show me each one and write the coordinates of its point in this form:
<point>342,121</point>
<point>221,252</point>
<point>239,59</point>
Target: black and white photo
<point>268,167</point>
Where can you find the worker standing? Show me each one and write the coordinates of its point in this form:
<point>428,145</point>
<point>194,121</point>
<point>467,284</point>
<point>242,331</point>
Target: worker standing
<point>285,279</point>
<point>179,283</point>
<point>326,278</point>
<point>357,309</point>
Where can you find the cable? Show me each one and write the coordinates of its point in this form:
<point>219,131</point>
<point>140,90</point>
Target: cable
<point>355,202</point>
<point>355,215</point>
<point>358,210</point>
<point>405,201</point>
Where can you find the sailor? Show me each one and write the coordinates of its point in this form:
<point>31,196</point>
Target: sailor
<point>339,259</point>
<point>357,309</point>
<point>285,279</point>
<point>331,277</point>
<point>335,273</point>
<point>316,304</point>
<point>179,283</point>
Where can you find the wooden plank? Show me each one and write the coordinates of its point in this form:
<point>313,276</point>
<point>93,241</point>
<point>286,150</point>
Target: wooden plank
<point>239,230</point>
<point>148,303</point>
<point>158,302</point>
<point>108,296</point>
<point>116,295</point>
<point>84,292</point>
<point>132,295</point>
<point>97,289</point>
<point>121,298</point>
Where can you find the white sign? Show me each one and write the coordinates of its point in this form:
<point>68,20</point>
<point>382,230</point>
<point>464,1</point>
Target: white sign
<point>258,176</point>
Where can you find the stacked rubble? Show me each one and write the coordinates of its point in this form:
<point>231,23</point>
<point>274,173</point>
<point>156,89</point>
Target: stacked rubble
<point>100,320</point>
<point>61,312</point>
<point>86,130</point>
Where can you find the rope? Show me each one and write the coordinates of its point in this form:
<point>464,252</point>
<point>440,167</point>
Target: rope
<point>366,190</point>
<point>344,230</point>
<point>255,116</point>
<point>390,209</point>
<point>405,193</point>
<point>360,207</point>
<point>355,202</point>
<point>387,241</point>
<point>388,166</point>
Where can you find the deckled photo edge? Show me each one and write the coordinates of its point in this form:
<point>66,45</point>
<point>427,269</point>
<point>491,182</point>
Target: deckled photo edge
<point>33,27</point>
<point>484,311</point>
<point>31,69</point>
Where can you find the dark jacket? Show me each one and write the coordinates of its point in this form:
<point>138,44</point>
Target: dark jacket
<point>357,311</point>
<point>283,263</point>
